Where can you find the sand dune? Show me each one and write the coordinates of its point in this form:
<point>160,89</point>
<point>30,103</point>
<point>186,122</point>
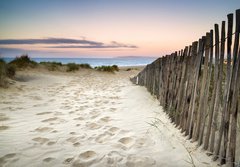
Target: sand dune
<point>88,118</point>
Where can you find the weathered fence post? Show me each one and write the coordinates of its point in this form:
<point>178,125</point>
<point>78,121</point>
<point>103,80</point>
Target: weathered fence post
<point>234,100</point>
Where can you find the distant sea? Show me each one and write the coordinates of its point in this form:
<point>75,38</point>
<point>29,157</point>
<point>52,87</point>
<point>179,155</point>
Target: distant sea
<point>120,61</point>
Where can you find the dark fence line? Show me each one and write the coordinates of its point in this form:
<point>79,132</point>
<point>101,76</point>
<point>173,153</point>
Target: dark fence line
<point>200,90</point>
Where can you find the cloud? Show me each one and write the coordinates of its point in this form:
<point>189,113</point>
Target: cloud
<point>4,50</point>
<point>16,51</point>
<point>93,46</point>
<point>112,45</point>
<point>48,41</point>
<point>69,43</point>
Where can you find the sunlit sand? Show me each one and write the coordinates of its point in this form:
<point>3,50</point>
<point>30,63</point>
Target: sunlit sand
<point>88,118</point>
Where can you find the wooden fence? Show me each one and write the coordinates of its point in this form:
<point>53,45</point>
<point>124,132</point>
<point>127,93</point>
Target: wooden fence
<point>198,87</point>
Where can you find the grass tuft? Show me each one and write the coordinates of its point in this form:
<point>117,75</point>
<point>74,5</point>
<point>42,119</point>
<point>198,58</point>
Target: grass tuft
<point>72,67</point>
<point>107,68</point>
<point>6,71</point>
<point>87,66</point>
<point>23,62</point>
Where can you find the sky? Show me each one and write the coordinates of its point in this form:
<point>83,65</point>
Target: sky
<point>106,28</point>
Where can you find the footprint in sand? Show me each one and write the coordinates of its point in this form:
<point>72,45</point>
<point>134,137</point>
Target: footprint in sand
<point>50,119</point>
<point>54,120</point>
<point>68,160</point>
<point>43,113</point>
<point>6,158</point>
<point>113,109</point>
<point>114,157</point>
<point>51,143</point>
<point>74,140</point>
<point>40,140</point>
<point>48,159</point>
<point>72,133</point>
<point>113,103</point>
<point>2,127</point>
<point>113,129</point>
<point>78,125</point>
<point>66,107</point>
<point>95,116</point>
<point>143,142</point>
<point>105,102</point>
<point>105,119</point>
<point>94,112</point>
<point>3,117</point>
<point>52,100</point>
<point>81,108</point>
<point>79,118</point>
<point>93,126</point>
<point>86,159</point>
<point>126,141</point>
<point>40,105</point>
<point>36,97</point>
<point>55,131</point>
<point>58,113</point>
<point>43,129</point>
<point>103,137</point>
<point>87,155</point>
<point>77,144</point>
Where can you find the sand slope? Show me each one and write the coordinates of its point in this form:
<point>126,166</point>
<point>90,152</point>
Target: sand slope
<point>88,119</point>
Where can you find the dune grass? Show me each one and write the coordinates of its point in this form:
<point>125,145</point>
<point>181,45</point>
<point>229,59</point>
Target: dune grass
<point>107,68</point>
<point>6,71</point>
<point>75,67</point>
<point>72,67</point>
<point>85,65</point>
<point>23,61</point>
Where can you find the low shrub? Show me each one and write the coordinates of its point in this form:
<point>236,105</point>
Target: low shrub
<point>85,66</point>
<point>6,70</point>
<point>10,71</point>
<point>23,62</point>
<point>107,68</point>
<point>2,73</point>
<point>72,67</point>
<point>51,62</point>
<point>115,67</point>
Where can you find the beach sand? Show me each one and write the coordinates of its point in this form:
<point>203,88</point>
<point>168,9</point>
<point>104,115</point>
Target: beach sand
<point>88,118</point>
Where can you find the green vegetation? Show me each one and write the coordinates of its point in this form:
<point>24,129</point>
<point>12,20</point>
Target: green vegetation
<point>72,67</point>
<point>51,62</point>
<point>52,66</point>
<point>6,71</point>
<point>23,62</point>
<point>87,66</point>
<point>115,67</point>
<point>2,73</point>
<point>107,68</point>
<point>10,70</point>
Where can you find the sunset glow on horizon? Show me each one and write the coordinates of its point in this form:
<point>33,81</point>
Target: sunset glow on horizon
<point>102,28</point>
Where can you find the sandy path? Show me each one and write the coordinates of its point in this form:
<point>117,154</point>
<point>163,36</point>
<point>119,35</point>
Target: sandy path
<point>88,119</point>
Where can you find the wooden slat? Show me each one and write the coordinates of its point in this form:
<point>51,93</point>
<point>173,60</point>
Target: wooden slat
<point>234,90</point>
